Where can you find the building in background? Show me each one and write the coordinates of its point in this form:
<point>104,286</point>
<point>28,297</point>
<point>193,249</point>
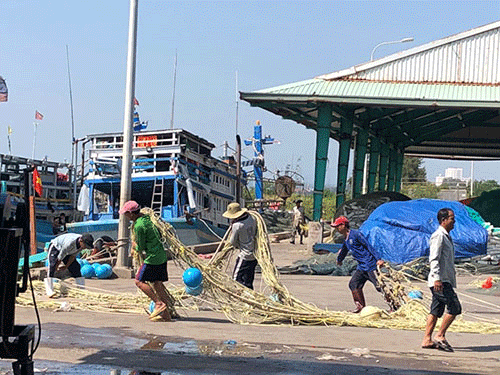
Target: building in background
<point>453,185</point>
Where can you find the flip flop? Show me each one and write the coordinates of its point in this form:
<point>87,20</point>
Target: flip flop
<point>157,312</point>
<point>444,345</point>
<point>430,346</point>
<point>159,318</point>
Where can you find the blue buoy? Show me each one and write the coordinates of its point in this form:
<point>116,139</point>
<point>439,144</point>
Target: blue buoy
<point>95,266</point>
<point>415,294</point>
<point>194,291</point>
<point>104,271</point>
<point>87,271</point>
<point>152,307</point>
<point>192,277</point>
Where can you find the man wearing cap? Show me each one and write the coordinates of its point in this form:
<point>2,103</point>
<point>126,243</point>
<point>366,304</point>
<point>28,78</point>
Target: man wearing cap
<point>65,248</point>
<point>154,267</point>
<point>366,256</point>
<point>299,219</point>
<point>243,233</point>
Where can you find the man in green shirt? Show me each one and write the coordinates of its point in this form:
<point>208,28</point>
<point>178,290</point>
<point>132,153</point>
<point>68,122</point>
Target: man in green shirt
<point>153,271</point>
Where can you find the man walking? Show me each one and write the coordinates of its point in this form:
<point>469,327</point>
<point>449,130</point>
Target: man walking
<point>366,256</point>
<point>154,267</point>
<point>243,233</point>
<point>442,280</point>
<point>298,220</point>
<point>65,248</point>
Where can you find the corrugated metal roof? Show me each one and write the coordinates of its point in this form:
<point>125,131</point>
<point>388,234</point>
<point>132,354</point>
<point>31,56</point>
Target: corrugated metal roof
<point>359,91</point>
<point>471,57</point>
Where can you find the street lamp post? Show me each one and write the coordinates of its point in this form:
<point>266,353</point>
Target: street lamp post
<point>404,40</point>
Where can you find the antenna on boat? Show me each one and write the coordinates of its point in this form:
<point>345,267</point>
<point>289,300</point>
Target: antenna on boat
<point>236,96</point>
<point>173,92</point>
<point>71,106</point>
<point>73,141</point>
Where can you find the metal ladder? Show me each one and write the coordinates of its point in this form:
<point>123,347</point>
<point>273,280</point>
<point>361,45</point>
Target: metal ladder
<point>157,197</point>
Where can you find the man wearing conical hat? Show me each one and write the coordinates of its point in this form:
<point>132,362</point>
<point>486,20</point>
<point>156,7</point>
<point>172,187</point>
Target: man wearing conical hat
<point>243,233</point>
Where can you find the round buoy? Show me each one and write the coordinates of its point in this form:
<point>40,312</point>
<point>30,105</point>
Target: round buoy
<point>87,271</point>
<point>195,291</point>
<point>415,294</point>
<point>192,277</point>
<point>104,271</point>
<point>95,266</point>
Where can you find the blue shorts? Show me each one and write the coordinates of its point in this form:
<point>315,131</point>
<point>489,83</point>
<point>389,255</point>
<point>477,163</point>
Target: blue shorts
<point>152,272</point>
<point>447,298</point>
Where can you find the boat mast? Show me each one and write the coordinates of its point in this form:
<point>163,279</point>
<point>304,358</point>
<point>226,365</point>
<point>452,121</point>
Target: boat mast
<point>173,92</point>
<point>128,137</point>
<point>74,148</point>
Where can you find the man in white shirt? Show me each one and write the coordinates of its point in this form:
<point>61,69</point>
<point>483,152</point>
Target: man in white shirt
<point>299,219</point>
<point>64,249</point>
<point>243,237</point>
<point>441,281</point>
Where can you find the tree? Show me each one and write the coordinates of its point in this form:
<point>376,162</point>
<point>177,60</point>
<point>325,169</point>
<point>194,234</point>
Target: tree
<point>482,186</point>
<point>413,171</point>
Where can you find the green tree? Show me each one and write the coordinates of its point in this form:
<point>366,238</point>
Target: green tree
<point>421,190</point>
<point>413,171</point>
<point>482,186</point>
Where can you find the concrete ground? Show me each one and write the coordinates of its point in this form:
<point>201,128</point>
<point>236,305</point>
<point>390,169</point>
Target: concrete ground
<point>205,342</point>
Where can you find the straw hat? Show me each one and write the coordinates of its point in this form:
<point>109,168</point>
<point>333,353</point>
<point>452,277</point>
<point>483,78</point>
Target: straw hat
<point>234,211</point>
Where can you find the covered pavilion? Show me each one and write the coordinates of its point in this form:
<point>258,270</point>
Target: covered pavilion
<point>438,100</point>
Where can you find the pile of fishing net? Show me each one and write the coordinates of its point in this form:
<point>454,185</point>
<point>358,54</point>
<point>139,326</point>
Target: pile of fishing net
<point>274,304</point>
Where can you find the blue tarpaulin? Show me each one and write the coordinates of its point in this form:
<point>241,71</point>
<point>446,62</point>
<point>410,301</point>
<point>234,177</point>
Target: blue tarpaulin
<point>400,231</point>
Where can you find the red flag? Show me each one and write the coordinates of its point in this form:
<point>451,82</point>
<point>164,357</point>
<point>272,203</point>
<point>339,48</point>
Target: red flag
<point>38,116</point>
<point>37,182</point>
<point>3,90</point>
<point>136,102</point>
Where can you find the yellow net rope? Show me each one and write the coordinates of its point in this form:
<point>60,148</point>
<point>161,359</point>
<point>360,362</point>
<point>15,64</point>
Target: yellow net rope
<point>274,304</point>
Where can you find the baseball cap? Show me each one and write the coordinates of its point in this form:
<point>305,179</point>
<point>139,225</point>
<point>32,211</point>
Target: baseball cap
<point>129,206</point>
<point>340,220</point>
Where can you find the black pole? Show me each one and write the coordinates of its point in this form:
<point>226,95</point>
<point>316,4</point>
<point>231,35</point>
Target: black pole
<point>238,168</point>
<point>26,229</point>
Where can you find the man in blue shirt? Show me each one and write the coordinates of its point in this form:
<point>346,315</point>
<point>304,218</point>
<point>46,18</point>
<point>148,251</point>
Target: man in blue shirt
<point>366,256</point>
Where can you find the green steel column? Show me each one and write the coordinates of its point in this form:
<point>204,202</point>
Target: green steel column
<point>359,162</point>
<point>343,164</point>
<point>322,140</point>
<point>373,166</point>
<point>391,178</point>
<point>384,161</point>
<point>399,169</point>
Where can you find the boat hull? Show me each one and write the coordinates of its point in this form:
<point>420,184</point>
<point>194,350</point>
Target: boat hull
<point>196,233</point>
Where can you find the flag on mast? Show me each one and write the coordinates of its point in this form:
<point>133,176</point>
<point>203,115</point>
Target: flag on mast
<point>3,90</point>
<point>9,132</point>
<point>38,116</point>
<point>37,182</point>
<point>136,102</point>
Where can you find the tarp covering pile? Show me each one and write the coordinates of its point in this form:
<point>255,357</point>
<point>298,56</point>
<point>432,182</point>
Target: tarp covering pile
<point>488,206</point>
<point>400,231</point>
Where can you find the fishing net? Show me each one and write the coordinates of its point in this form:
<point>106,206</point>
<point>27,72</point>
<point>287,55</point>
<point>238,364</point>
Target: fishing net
<point>273,303</point>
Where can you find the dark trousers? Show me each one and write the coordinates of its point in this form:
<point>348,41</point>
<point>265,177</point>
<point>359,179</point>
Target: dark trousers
<point>359,278</point>
<point>244,272</point>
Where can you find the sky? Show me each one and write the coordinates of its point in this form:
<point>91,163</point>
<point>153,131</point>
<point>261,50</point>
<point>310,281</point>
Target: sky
<point>222,47</point>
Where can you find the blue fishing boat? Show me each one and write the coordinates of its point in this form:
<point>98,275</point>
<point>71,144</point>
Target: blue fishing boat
<point>173,173</point>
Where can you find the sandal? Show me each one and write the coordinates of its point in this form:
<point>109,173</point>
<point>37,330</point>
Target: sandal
<point>430,346</point>
<point>444,345</point>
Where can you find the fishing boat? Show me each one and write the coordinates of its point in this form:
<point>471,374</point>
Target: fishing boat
<point>55,201</point>
<point>173,173</point>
